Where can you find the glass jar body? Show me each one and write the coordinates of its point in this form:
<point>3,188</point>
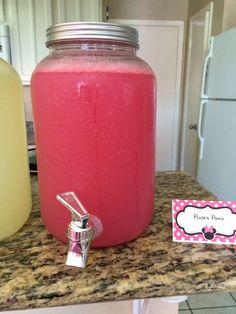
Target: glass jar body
<point>94,111</point>
<point>15,191</point>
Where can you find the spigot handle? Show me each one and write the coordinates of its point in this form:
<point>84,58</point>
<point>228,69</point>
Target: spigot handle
<point>71,202</point>
<point>81,230</point>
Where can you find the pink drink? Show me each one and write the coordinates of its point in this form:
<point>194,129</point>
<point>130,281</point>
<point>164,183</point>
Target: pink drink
<point>95,129</point>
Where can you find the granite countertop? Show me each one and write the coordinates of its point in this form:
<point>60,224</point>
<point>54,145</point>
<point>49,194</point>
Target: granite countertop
<point>33,271</point>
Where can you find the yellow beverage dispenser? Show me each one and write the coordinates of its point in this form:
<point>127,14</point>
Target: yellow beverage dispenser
<point>15,192</point>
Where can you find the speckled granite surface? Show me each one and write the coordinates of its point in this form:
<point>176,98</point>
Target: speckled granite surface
<point>33,274</point>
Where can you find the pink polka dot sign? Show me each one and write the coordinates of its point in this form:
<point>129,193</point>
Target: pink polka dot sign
<point>204,221</point>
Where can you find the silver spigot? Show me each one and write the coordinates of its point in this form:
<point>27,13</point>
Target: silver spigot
<point>80,231</point>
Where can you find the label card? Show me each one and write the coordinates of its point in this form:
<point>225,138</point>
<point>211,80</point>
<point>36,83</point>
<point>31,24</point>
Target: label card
<point>204,221</point>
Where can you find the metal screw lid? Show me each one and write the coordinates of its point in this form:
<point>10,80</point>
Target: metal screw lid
<point>91,31</point>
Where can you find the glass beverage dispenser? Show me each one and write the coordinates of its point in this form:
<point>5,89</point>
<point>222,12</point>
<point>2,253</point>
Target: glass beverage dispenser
<point>94,110</point>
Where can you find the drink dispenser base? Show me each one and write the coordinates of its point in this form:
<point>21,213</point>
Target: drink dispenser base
<point>94,111</point>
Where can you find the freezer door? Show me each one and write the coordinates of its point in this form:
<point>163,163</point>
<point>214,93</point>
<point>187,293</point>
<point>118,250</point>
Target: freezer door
<point>221,76</point>
<point>217,166</point>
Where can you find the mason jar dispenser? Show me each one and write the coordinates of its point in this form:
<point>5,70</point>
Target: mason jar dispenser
<point>15,190</point>
<point>94,112</point>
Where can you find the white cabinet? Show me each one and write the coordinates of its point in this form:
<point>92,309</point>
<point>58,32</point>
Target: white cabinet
<point>28,20</point>
<point>161,45</point>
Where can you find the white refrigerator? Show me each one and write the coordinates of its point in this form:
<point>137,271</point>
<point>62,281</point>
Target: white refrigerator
<point>217,118</point>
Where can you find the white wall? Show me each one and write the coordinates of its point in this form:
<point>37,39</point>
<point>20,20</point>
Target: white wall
<point>224,13</point>
<point>148,9</point>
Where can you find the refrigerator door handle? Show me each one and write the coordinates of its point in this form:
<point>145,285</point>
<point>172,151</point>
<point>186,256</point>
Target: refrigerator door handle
<point>206,70</point>
<point>203,103</point>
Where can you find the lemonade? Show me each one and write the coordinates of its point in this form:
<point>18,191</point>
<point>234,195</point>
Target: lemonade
<point>15,193</point>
